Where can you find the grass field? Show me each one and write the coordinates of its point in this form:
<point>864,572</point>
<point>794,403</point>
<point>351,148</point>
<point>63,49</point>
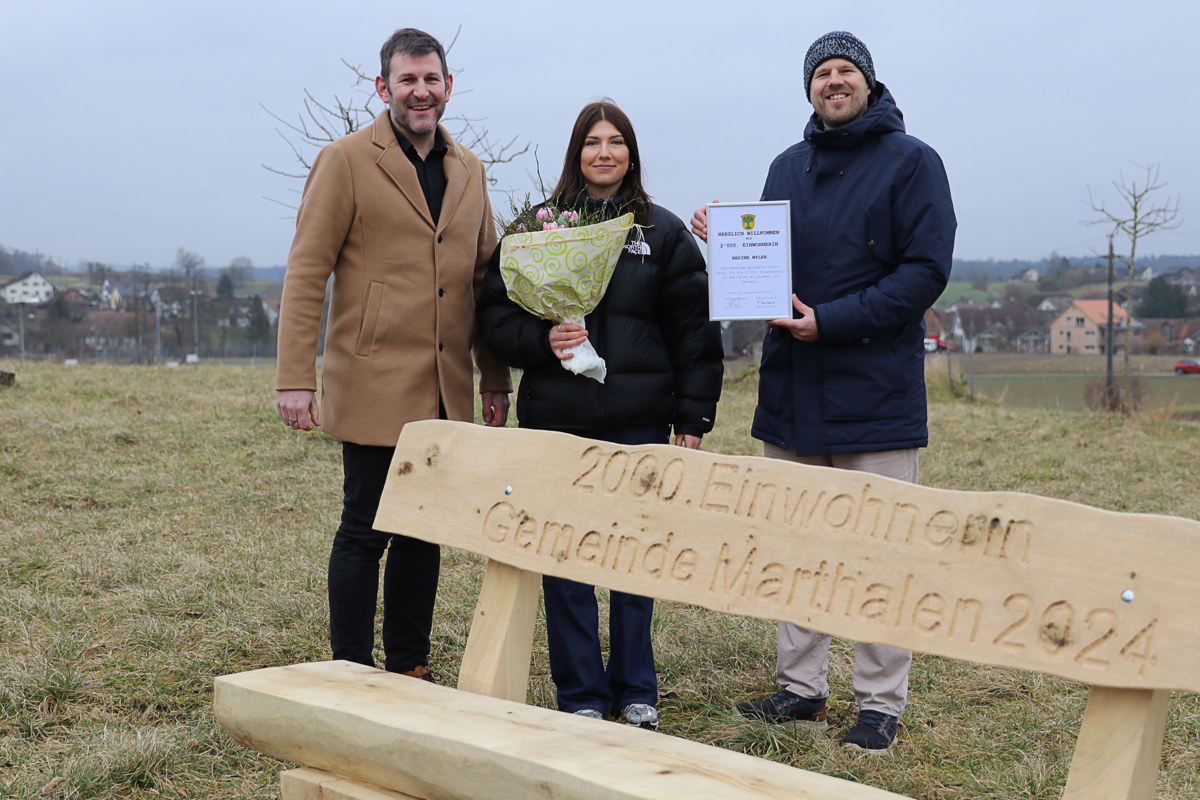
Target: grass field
<point>160,528</point>
<point>1061,382</point>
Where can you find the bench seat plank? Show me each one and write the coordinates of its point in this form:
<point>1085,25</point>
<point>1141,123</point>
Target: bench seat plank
<point>440,743</point>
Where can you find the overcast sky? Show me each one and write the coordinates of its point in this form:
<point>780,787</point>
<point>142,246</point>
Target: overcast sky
<point>132,128</point>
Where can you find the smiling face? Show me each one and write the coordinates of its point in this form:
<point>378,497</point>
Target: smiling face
<point>839,92</point>
<point>416,91</point>
<point>604,160</point>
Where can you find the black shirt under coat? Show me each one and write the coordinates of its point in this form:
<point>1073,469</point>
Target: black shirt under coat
<point>431,173</point>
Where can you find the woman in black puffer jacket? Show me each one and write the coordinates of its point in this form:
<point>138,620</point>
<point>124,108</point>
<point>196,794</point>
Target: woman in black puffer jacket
<point>664,369</point>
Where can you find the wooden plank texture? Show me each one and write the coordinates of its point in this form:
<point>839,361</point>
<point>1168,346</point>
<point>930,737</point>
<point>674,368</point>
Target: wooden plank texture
<point>315,784</point>
<point>1119,746</point>
<point>997,578</point>
<point>440,743</point>
<point>500,644</point>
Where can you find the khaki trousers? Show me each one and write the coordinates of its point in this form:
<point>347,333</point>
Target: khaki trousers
<point>880,671</point>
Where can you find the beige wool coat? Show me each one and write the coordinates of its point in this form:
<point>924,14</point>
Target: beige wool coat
<point>401,327</point>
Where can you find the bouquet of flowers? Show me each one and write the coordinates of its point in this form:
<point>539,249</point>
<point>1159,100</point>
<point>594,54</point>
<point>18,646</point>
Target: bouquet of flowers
<point>557,264</point>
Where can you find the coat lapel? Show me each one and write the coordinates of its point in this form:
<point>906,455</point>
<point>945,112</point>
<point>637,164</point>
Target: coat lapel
<point>398,168</point>
<point>456,179</point>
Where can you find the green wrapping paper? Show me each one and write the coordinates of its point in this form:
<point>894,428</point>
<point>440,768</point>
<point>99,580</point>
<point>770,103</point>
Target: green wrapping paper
<point>560,275</point>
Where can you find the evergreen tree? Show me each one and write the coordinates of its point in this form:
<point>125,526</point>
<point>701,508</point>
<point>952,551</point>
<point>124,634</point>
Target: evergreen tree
<point>260,327</point>
<point>1162,298</point>
<point>225,287</point>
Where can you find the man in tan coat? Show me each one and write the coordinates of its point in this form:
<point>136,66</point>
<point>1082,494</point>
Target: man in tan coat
<point>398,214</point>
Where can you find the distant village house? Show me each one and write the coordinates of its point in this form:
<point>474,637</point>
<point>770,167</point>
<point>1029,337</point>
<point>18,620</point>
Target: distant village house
<point>29,288</point>
<point>1082,327</point>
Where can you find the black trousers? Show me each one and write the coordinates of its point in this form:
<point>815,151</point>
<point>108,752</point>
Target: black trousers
<point>410,575</point>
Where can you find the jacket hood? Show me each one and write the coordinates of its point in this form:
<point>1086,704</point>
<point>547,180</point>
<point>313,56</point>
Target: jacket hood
<point>883,116</point>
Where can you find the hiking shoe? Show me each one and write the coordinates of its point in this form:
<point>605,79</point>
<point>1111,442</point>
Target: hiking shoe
<point>421,672</point>
<point>873,732</point>
<point>590,713</point>
<point>788,708</point>
<point>641,715</point>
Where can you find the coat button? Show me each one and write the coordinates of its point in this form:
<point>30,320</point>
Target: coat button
<point>440,347</point>
<point>866,341</point>
<point>441,292</point>
<point>439,239</point>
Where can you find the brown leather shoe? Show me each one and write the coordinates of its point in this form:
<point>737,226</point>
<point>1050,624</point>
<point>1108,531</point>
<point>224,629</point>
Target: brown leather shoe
<point>421,672</point>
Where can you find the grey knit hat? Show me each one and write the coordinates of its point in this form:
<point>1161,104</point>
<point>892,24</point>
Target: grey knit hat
<point>838,44</point>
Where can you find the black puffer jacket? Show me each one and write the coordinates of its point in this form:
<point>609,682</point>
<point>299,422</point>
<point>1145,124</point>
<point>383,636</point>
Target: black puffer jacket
<point>662,353</point>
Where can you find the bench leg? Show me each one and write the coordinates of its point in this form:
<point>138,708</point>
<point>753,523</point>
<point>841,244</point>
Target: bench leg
<point>315,784</point>
<point>500,645</point>
<point>1119,745</point>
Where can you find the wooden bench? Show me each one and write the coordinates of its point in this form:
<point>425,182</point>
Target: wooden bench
<point>1108,599</point>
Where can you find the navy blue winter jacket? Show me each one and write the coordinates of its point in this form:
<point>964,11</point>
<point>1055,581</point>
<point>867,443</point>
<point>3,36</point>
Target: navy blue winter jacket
<point>872,228</point>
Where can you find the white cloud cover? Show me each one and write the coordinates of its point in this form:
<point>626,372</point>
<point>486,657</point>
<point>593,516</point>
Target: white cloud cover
<point>132,128</point>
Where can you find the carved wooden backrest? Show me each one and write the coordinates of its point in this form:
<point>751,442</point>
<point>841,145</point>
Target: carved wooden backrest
<point>994,578</point>
<point>1006,579</point>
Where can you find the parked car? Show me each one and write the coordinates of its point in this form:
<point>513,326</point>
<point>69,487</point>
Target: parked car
<point>1187,365</point>
<point>935,343</point>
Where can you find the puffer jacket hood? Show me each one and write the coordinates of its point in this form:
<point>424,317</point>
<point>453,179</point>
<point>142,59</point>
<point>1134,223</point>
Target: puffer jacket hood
<point>882,116</point>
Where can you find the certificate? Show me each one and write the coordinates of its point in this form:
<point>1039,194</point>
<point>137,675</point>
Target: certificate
<point>749,261</point>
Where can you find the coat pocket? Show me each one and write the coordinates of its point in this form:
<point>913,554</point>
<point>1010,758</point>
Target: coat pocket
<point>863,381</point>
<point>370,319</point>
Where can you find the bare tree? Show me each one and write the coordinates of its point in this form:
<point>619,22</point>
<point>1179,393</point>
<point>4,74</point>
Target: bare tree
<point>1142,214</point>
<point>240,270</point>
<point>189,264</point>
<point>323,122</point>
<point>97,273</point>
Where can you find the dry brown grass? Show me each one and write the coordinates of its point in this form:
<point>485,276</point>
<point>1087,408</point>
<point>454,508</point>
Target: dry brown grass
<point>160,528</point>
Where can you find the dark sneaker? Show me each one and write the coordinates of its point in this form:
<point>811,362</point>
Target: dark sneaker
<point>874,732</point>
<point>788,708</point>
<point>641,715</point>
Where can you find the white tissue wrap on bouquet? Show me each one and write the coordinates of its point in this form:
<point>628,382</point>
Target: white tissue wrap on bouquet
<point>561,275</point>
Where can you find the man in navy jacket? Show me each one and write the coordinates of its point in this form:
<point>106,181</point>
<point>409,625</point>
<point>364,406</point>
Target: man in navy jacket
<point>842,383</point>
